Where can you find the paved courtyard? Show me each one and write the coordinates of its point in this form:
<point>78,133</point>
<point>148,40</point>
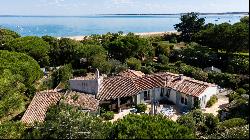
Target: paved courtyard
<point>222,102</point>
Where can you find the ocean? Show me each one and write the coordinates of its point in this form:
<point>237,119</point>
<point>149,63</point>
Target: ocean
<point>59,26</point>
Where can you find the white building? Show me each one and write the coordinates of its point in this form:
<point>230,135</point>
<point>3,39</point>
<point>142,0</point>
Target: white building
<point>141,88</point>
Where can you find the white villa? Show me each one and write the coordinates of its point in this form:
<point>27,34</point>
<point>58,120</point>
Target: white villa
<point>122,91</point>
<point>134,87</point>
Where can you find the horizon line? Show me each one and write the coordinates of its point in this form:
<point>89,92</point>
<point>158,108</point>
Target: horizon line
<point>200,13</point>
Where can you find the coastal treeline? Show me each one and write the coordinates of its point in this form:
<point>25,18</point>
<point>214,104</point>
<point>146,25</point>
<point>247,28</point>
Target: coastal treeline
<point>198,46</point>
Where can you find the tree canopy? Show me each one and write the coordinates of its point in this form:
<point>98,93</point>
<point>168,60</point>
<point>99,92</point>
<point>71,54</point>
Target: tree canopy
<point>226,37</point>
<point>18,75</point>
<point>32,46</point>
<point>149,127</point>
<point>21,64</point>
<point>190,24</point>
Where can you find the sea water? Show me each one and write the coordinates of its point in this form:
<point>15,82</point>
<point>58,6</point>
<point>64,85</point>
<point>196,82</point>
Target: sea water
<point>61,26</point>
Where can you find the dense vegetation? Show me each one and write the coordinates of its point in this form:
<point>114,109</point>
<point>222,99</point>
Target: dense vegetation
<point>149,127</point>
<point>18,74</point>
<point>198,46</point>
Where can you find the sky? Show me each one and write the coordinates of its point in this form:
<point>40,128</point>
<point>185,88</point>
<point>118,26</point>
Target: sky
<point>90,7</point>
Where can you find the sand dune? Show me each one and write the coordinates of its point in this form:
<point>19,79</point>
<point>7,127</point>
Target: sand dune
<point>140,34</point>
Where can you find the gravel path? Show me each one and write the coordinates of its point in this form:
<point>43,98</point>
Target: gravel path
<point>222,102</point>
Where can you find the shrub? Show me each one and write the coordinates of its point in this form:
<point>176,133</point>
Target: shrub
<point>211,122</point>
<point>212,101</point>
<point>134,63</point>
<point>232,133</point>
<point>164,48</point>
<point>146,126</point>
<point>187,120</point>
<point>147,69</point>
<point>233,96</point>
<point>141,108</point>
<point>109,115</point>
<point>246,86</point>
<point>12,130</point>
<point>241,91</point>
<point>163,59</point>
<point>173,38</point>
<point>234,122</point>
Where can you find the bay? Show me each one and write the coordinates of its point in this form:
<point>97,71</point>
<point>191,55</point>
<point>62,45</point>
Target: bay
<point>60,26</point>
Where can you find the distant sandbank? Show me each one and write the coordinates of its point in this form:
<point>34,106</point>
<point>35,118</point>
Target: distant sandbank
<point>140,34</point>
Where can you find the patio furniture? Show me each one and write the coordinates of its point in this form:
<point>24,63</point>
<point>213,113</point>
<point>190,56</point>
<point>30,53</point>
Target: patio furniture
<point>167,111</point>
<point>133,110</point>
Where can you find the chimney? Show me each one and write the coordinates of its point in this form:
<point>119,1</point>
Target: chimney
<point>180,76</point>
<point>97,74</point>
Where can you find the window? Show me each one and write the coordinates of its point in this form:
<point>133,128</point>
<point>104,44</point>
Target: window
<point>184,99</point>
<point>168,92</point>
<point>204,99</point>
<point>162,92</point>
<point>146,95</point>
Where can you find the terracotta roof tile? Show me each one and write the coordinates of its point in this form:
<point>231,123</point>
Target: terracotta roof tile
<point>149,82</point>
<point>85,101</point>
<point>128,84</point>
<point>115,87</point>
<point>38,107</point>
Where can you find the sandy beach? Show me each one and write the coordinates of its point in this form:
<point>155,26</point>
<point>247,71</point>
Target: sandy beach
<point>79,38</point>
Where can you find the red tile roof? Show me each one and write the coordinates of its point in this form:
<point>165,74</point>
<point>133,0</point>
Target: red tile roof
<point>38,107</point>
<point>85,101</point>
<point>115,87</point>
<point>149,82</point>
<point>129,85</point>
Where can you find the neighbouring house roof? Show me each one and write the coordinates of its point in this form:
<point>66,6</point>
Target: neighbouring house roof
<point>129,85</point>
<point>116,87</point>
<point>37,109</point>
<point>85,101</point>
<point>131,73</point>
<point>212,69</point>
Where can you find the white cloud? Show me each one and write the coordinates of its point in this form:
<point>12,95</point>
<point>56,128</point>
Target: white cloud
<point>122,1</point>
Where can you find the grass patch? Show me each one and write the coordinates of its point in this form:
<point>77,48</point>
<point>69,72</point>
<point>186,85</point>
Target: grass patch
<point>212,101</point>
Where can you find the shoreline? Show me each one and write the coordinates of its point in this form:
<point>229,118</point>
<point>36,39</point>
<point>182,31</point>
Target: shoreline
<point>143,34</point>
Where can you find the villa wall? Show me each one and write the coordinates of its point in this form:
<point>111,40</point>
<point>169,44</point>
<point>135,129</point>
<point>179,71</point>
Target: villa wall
<point>172,96</point>
<point>88,86</point>
<point>175,97</point>
<point>206,95</point>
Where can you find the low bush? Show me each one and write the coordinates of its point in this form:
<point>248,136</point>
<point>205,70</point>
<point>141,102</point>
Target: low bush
<point>233,95</point>
<point>241,132</point>
<point>109,115</point>
<point>241,91</point>
<point>141,108</point>
<point>212,101</point>
<point>163,59</point>
<point>234,122</point>
<point>134,63</point>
